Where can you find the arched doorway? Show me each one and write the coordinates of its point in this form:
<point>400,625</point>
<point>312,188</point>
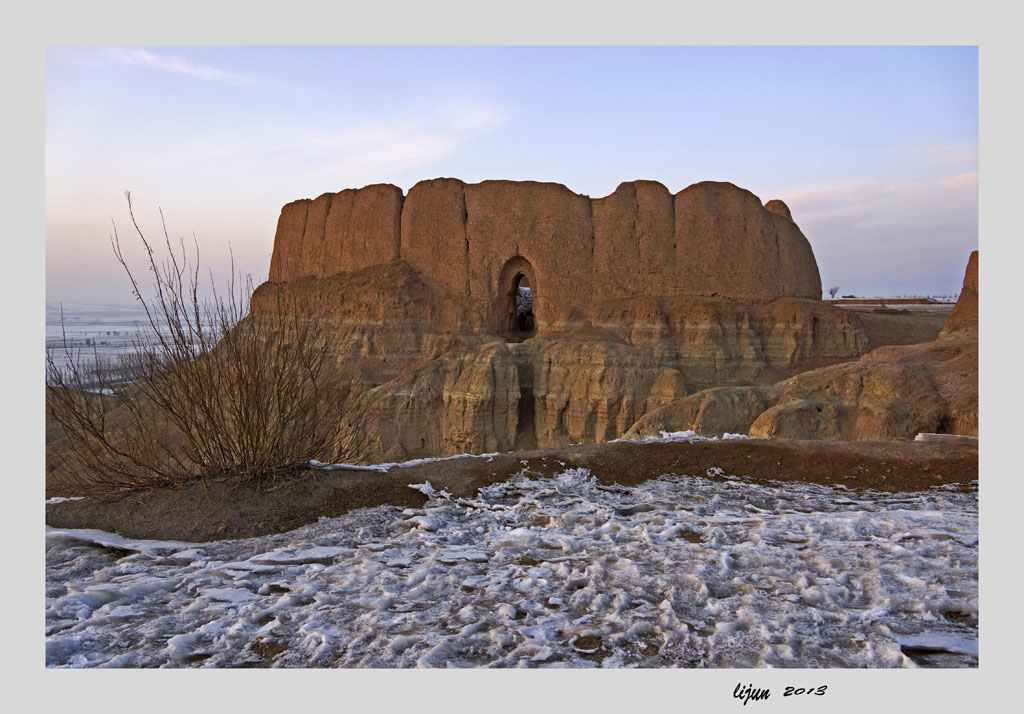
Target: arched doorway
<point>513,313</point>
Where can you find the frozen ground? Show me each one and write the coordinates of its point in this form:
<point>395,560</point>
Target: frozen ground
<point>534,572</point>
<point>83,333</point>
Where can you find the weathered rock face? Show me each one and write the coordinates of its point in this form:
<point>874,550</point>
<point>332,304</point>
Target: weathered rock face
<point>420,386</point>
<point>718,341</point>
<point>592,391</point>
<point>451,405</point>
<point>717,411</point>
<point>875,399</point>
<point>965,312</point>
<point>337,232</point>
<point>893,392</point>
<point>710,239</point>
<point>500,397</point>
<point>388,319</point>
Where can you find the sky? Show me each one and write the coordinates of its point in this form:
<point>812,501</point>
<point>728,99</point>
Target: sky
<point>874,149</point>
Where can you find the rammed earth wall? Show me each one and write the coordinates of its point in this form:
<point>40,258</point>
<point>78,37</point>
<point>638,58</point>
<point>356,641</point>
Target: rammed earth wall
<point>709,240</point>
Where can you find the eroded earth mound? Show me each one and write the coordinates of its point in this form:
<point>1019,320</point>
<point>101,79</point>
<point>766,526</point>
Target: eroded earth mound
<point>892,392</point>
<point>650,311</point>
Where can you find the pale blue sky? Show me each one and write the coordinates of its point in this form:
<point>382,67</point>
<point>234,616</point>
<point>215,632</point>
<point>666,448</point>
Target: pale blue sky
<point>873,148</point>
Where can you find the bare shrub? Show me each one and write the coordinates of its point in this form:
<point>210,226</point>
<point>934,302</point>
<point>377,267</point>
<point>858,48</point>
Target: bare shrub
<point>212,390</point>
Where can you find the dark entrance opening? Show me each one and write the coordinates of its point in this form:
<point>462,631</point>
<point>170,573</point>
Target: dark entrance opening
<point>522,297</point>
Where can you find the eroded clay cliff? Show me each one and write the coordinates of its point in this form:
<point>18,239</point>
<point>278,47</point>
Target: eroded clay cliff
<point>419,385</point>
<point>893,392</point>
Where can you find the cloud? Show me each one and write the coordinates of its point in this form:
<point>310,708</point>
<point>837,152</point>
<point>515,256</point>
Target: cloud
<point>826,199</point>
<point>867,235</point>
<point>340,151</point>
<point>175,65</point>
<point>949,199</point>
<point>470,116</point>
<point>961,182</point>
<point>229,182</point>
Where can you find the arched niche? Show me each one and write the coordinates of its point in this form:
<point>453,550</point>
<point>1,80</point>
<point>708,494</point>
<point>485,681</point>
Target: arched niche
<point>514,313</point>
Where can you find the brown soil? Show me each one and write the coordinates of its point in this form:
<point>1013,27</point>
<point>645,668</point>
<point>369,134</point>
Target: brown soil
<point>225,508</point>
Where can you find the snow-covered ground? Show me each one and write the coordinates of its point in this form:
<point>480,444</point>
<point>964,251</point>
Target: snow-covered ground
<point>676,572</point>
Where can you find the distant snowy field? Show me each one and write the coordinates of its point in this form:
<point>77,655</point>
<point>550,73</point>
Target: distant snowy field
<point>89,331</point>
<point>545,572</point>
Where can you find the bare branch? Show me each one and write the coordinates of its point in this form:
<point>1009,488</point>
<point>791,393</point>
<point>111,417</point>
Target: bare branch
<point>214,390</point>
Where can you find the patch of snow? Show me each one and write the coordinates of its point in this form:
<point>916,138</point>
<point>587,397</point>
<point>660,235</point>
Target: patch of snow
<point>385,467</point>
<point>61,499</point>
<point>428,490</point>
<point>677,435</point>
<point>681,436</point>
<point>925,436</point>
<point>113,540</point>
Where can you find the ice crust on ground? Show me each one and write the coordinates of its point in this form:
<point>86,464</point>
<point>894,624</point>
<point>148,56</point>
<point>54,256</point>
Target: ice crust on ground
<point>665,437</point>
<point>681,571</point>
<point>676,436</point>
<point>397,464</point>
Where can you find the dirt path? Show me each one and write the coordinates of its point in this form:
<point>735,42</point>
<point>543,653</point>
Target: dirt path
<point>233,509</point>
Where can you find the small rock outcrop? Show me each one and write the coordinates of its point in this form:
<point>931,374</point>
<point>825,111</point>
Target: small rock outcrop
<point>965,312</point>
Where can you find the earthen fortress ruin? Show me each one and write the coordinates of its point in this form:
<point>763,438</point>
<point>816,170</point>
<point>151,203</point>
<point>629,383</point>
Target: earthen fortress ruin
<point>650,310</point>
<point>477,240</point>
